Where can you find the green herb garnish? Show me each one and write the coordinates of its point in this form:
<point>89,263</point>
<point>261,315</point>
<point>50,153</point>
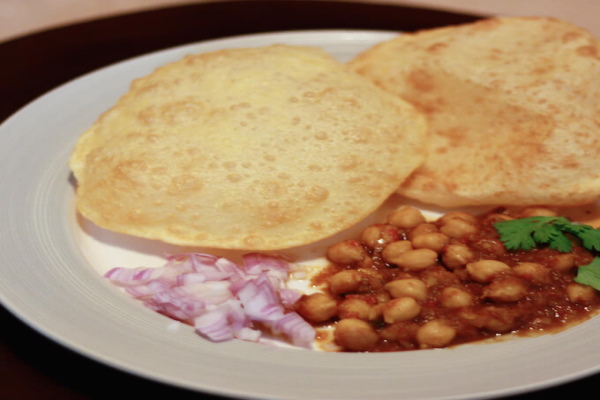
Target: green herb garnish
<point>527,233</point>
<point>589,274</point>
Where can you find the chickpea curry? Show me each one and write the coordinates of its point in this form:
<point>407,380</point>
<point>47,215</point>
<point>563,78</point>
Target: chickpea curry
<point>409,283</point>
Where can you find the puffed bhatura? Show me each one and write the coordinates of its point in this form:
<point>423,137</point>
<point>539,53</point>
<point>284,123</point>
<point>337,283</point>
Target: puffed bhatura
<point>513,107</point>
<point>255,148</point>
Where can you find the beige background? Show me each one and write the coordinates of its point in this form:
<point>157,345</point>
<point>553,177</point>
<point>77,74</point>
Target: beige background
<point>20,17</point>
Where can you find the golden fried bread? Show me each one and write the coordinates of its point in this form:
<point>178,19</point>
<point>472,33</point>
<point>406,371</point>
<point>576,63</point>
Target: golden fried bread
<point>257,148</point>
<point>513,106</point>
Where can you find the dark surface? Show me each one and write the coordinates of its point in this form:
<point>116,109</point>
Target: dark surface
<point>34,367</point>
<point>35,64</point>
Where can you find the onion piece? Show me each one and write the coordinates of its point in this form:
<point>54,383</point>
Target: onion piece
<point>292,325</point>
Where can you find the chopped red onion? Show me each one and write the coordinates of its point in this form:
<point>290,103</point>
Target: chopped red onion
<point>221,299</point>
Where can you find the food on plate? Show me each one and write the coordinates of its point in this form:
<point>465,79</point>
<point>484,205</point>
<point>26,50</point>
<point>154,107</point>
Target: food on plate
<point>410,283</point>
<point>406,283</point>
<point>248,148</point>
<point>513,107</point>
<point>221,299</point>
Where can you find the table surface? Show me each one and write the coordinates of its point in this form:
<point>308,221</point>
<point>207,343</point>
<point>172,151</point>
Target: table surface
<point>18,17</point>
<point>34,367</point>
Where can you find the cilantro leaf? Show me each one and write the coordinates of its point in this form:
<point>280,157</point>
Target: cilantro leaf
<point>526,233</point>
<point>589,236</point>
<point>552,235</point>
<point>515,234</point>
<point>589,274</point>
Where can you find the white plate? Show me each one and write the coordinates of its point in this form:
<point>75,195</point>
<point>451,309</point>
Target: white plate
<point>49,277</point>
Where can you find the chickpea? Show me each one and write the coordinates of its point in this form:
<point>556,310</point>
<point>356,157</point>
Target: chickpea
<point>408,287</point>
<point>474,317</point>
<point>498,325</point>
<point>458,228</point>
<point>533,272</point>
<point>506,290</point>
<point>379,235</point>
<point>406,217</point>
<point>563,262</point>
<point>389,332</point>
<point>457,255</point>
<point>422,229</point>
<point>458,215</point>
<point>452,297</point>
<point>493,218</point>
<point>401,309</point>
<point>345,281</point>
<point>382,296</point>
<point>493,247</point>
<point>355,334</point>
<point>484,270</point>
<point>354,308</point>
<point>438,275</point>
<point>371,280</point>
<point>317,307</point>
<point>416,260</point>
<point>435,333</point>
<point>434,241</point>
<point>499,320</point>
<point>347,252</point>
<point>391,252</point>
<point>537,212</point>
<point>579,293</point>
